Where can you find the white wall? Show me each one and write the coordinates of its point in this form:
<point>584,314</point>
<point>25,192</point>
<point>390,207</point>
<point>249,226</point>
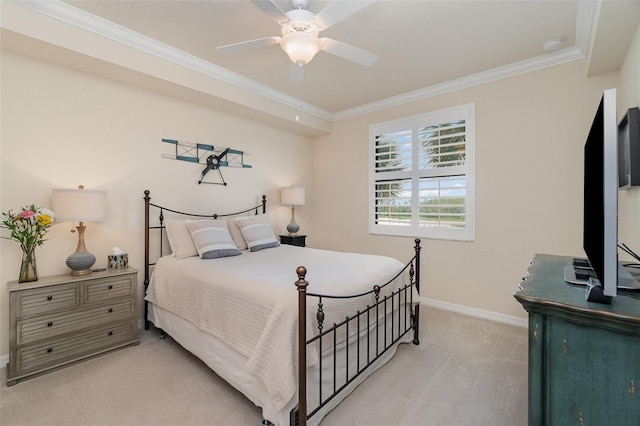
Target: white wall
<point>530,132</point>
<point>629,96</point>
<point>62,128</point>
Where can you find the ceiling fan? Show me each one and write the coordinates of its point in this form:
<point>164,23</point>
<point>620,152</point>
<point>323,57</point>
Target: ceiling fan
<point>300,29</point>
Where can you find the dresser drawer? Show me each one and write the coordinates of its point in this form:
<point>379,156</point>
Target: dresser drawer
<point>47,326</point>
<point>40,356</point>
<point>47,299</point>
<point>105,289</point>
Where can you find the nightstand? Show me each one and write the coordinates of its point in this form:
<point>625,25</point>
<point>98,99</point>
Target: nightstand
<point>61,319</point>
<point>296,240</point>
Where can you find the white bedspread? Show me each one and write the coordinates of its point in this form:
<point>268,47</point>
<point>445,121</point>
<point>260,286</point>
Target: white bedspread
<point>250,301</point>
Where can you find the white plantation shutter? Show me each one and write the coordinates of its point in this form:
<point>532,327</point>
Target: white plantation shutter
<point>421,175</point>
<point>393,202</point>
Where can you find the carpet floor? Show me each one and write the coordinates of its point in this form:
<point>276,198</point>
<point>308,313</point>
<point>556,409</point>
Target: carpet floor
<point>466,371</point>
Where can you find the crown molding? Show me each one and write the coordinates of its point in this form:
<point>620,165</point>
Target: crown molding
<point>79,18</point>
<point>585,17</point>
<point>511,70</point>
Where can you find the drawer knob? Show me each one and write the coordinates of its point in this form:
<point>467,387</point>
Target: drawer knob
<point>110,310</point>
<point>111,333</point>
<point>50,323</point>
<point>49,297</point>
<point>49,350</point>
<point>110,287</point>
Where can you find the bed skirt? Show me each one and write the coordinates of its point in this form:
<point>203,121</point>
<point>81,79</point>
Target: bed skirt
<point>231,366</point>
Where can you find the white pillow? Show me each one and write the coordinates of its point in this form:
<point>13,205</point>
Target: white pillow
<point>236,234</point>
<point>257,231</point>
<point>212,238</point>
<point>180,239</point>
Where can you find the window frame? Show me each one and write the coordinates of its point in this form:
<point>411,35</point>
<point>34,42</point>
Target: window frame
<point>414,124</point>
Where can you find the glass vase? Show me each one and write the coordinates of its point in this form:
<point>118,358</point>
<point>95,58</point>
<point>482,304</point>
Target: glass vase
<point>28,271</point>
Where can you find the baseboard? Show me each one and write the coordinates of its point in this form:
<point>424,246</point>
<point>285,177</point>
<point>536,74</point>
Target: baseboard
<point>474,312</point>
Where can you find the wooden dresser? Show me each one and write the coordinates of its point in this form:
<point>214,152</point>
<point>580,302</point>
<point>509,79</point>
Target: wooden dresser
<point>584,357</point>
<point>61,319</point>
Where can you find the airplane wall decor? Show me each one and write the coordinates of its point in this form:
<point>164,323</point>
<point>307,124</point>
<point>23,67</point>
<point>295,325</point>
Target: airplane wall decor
<point>212,157</point>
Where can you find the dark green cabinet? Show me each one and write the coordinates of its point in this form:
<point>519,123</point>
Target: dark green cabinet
<point>584,358</point>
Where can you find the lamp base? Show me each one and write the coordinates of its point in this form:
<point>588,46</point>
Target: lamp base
<point>80,263</point>
<point>293,229</point>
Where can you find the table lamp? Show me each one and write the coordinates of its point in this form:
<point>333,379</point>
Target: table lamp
<point>79,205</point>
<point>292,196</point>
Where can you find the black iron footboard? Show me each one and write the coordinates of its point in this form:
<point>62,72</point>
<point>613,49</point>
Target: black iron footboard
<point>397,307</point>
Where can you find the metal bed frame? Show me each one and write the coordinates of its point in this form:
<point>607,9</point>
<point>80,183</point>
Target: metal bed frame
<point>398,307</point>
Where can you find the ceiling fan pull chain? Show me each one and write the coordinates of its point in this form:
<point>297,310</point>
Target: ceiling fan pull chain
<point>299,88</point>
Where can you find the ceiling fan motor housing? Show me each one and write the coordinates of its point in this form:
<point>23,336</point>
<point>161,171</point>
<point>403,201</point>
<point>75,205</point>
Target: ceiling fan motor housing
<point>300,4</point>
<point>299,20</point>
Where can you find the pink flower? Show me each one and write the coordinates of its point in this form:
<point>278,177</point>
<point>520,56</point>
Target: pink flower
<point>26,214</point>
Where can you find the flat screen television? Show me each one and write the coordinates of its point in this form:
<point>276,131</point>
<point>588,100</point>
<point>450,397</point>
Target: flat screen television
<point>629,149</point>
<point>600,233</point>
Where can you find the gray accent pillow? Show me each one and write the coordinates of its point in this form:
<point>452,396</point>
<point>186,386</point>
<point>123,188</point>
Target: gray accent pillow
<point>257,231</point>
<point>212,238</point>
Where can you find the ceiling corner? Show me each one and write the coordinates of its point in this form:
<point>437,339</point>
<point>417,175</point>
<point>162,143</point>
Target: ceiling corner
<point>614,24</point>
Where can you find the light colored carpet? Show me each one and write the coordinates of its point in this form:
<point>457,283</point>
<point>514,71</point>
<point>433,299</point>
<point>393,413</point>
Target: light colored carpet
<point>466,371</point>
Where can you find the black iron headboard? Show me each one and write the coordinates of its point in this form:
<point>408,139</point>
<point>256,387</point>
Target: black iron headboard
<point>161,225</point>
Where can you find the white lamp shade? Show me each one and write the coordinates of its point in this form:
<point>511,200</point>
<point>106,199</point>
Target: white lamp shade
<point>79,205</point>
<point>292,196</point>
<point>301,46</point>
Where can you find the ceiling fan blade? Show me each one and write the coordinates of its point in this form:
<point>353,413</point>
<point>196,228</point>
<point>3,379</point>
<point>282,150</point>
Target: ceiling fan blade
<point>272,9</point>
<point>337,11</point>
<point>351,53</point>
<point>250,44</point>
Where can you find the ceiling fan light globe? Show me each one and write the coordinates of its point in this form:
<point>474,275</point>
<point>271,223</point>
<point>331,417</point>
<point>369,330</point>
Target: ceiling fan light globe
<point>301,46</point>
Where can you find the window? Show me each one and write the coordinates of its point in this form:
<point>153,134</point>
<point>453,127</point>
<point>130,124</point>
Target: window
<point>421,175</point>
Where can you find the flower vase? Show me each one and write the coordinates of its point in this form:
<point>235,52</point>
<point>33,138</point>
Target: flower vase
<point>28,270</point>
